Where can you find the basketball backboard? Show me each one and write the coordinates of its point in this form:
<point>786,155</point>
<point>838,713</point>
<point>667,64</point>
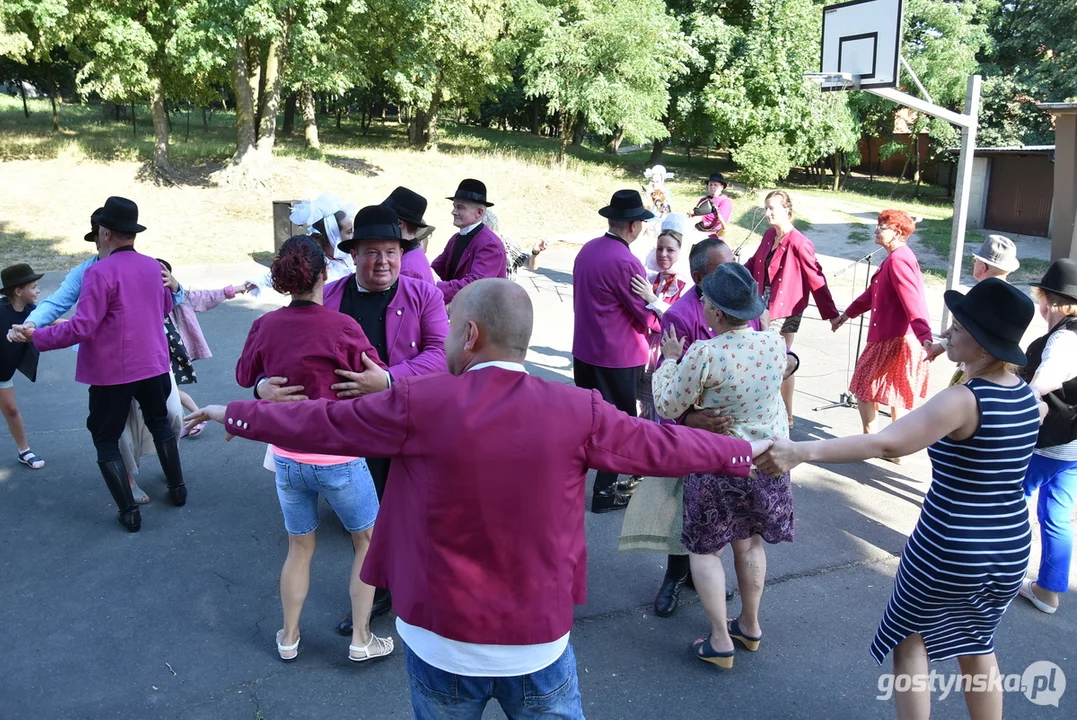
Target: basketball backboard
<point>861,38</point>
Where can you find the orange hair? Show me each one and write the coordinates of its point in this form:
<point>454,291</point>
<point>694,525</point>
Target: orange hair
<point>898,221</point>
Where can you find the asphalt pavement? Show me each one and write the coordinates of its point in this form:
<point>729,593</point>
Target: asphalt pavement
<point>178,620</point>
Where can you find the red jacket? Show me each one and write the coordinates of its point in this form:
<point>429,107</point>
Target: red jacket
<point>480,534</point>
<point>305,344</point>
<point>896,299</point>
<point>794,272</point>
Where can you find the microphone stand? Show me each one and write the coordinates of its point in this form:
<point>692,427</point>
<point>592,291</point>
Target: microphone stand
<point>736,253</point>
<point>846,399</point>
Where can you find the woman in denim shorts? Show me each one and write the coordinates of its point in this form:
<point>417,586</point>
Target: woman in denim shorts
<point>306,342</point>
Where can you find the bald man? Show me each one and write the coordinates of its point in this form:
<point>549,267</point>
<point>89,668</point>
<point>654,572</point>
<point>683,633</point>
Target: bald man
<point>485,554</point>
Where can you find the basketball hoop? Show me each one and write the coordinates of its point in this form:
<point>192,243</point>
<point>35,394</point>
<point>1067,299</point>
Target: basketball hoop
<point>834,80</point>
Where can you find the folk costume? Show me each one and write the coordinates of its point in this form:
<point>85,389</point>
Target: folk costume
<point>123,355</point>
<point>787,272</point>
<point>714,211</point>
<point>610,336</point>
<point>473,253</point>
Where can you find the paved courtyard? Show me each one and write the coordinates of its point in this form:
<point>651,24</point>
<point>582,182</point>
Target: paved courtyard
<point>178,620</point>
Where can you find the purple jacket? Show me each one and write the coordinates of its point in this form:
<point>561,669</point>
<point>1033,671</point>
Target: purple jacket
<point>415,264</point>
<point>687,316</point>
<point>119,322</point>
<point>612,323</point>
<point>416,325</point>
<point>484,257</point>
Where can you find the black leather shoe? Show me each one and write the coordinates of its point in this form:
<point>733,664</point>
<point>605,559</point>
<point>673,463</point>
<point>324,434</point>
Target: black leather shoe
<point>608,500</point>
<point>628,487</point>
<point>345,626</point>
<point>383,602</point>
<point>669,596</point>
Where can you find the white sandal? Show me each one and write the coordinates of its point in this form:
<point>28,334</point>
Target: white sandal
<point>383,646</point>
<point>293,649</point>
<point>1026,593</point>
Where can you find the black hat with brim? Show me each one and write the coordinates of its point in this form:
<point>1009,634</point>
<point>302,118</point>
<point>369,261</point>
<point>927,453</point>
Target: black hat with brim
<point>718,178</point>
<point>996,314</point>
<point>1060,279</point>
<point>733,290</point>
<point>95,222</point>
<point>408,205</point>
<point>473,190</point>
<point>374,222</point>
<point>17,275</point>
<point>120,215</point>
<point>626,205</point>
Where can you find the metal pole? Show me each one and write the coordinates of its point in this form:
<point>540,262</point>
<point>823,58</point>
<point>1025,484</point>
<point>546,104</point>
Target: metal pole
<point>961,194</point>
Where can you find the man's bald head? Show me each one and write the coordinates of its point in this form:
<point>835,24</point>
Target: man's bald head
<point>503,317</point>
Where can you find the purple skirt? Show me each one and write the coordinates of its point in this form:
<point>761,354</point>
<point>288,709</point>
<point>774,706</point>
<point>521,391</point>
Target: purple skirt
<point>719,509</point>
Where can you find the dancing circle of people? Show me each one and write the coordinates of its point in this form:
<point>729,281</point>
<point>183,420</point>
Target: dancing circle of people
<point>683,405</point>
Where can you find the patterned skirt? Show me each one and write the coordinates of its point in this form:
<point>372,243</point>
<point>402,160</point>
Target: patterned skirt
<point>719,509</point>
<point>891,372</point>
<point>182,369</point>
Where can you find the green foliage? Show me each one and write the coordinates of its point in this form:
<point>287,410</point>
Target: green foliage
<point>1009,116</point>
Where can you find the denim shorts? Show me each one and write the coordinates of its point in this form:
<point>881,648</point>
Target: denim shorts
<point>347,487</point>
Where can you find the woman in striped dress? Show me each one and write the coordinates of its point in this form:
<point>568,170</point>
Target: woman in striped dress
<point>968,553</point>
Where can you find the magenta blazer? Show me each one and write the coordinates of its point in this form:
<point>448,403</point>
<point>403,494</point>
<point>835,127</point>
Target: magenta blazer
<point>416,326</point>
<point>896,298</point>
<point>119,324</point>
<point>415,264</point>
<point>484,257</point>
<point>450,523</point>
<point>611,323</point>
<point>794,272</point>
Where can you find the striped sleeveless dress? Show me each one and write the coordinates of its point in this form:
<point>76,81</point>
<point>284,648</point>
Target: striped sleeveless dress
<point>969,551</point>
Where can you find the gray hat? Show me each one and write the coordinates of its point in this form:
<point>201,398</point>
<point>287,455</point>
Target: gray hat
<point>1000,252</point>
<point>733,290</point>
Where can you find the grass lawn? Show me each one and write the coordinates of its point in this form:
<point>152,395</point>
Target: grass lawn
<point>54,180</point>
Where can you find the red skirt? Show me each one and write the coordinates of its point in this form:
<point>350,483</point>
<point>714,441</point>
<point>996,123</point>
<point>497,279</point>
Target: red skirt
<point>891,372</point>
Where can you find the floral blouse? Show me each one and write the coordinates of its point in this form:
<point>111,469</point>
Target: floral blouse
<point>738,373</point>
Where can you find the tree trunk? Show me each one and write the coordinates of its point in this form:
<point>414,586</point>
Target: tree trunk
<point>241,82</point>
<point>417,129</point>
<point>579,130</point>
<point>340,112</point>
<point>536,117</point>
<point>566,138</point>
<point>614,141</point>
<point>837,171</point>
<point>161,163</point>
<point>289,113</point>
<point>55,112</point>
<point>310,119</point>
<point>431,131</point>
<point>22,91</point>
<point>260,62</point>
<point>134,120</point>
<point>187,136</point>
<point>273,75</point>
<point>205,121</point>
<point>657,148</point>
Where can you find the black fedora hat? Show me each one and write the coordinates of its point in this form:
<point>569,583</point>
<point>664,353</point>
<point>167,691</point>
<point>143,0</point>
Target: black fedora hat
<point>626,205</point>
<point>15,275</point>
<point>95,222</point>
<point>1060,278</point>
<point>408,205</point>
<point>374,222</point>
<point>120,215</point>
<point>718,178</point>
<point>733,290</point>
<point>996,314</point>
<point>473,190</point>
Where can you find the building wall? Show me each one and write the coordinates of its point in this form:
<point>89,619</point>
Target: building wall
<point>981,178</point>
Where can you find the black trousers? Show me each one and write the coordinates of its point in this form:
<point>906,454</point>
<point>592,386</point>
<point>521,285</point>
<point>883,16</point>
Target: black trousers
<point>110,404</point>
<point>379,470</point>
<point>618,387</point>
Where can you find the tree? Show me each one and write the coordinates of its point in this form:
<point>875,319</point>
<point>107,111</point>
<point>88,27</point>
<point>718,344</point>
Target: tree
<point>605,61</point>
<point>33,34</point>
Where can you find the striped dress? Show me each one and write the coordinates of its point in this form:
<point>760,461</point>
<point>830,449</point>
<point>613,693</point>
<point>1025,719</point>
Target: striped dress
<point>965,559</point>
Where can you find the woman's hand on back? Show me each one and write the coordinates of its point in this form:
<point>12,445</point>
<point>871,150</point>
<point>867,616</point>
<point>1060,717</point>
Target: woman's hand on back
<point>643,289</point>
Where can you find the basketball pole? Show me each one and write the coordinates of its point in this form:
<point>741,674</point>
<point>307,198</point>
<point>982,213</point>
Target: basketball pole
<point>968,122</point>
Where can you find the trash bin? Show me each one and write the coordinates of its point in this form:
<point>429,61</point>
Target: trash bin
<point>283,228</point>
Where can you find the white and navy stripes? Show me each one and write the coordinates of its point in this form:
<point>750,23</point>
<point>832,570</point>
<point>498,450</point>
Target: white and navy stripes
<point>968,553</point>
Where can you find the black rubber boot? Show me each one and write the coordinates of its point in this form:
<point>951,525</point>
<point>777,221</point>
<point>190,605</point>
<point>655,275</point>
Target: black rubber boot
<point>116,480</point>
<point>168,454</point>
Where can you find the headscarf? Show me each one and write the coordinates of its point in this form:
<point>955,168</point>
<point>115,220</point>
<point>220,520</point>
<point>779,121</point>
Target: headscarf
<point>324,208</point>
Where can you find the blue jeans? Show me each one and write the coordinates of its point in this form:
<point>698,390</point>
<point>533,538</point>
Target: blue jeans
<point>1057,483</point>
<point>552,692</point>
<point>347,487</point>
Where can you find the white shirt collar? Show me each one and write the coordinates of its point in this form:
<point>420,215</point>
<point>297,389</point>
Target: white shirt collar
<point>469,228</point>
<point>504,365</point>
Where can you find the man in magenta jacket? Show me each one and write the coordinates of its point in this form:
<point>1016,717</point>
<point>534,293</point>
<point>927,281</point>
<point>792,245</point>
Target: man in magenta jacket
<point>609,339</point>
<point>474,252</point>
<point>123,354</point>
<point>486,554</point>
